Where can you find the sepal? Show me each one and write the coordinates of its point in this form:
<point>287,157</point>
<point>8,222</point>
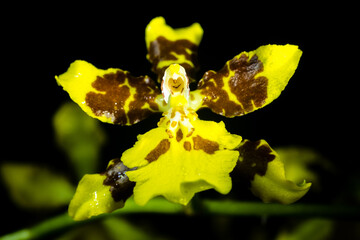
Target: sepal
<point>167,46</point>
<point>101,193</point>
<point>263,167</point>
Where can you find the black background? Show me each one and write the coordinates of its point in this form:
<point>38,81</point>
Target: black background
<point>318,109</point>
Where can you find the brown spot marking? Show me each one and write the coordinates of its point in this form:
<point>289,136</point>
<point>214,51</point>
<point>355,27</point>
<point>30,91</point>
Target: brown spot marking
<point>146,92</point>
<point>112,102</point>
<point>121,187</point>
<point>162,49</point>
<point>174,124</point>
<point>207,146</point>
<point>159,150</point>
<point>216,98</point>
<point>187,146</point>
<point>253,159</point>
<point>243,84</point>
<point>179,135</point>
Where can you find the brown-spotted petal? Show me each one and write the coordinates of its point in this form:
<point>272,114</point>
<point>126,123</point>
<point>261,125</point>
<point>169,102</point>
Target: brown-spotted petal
<point>249,81</point>
<point>263,167</point>
<point>101,193</point>
<point>112,95</point>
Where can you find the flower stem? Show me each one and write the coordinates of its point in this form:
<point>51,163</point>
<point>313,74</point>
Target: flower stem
<point>52,225</point>
<point>233,208</point>
<point>63,222</point>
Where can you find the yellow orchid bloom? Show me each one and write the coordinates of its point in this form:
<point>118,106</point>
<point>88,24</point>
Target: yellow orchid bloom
<point>183,155</point>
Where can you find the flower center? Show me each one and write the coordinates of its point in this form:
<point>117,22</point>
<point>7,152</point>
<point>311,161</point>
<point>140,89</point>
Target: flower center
<point>175,83</point>
<point>179,117</point>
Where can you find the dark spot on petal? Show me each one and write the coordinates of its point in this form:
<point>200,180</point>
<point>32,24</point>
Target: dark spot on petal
<point>146,92</point>
<point>243,84</point>
<point>187,146</point>
<point>111,103</point>
<point>248,89</point>
<point>179,135</point>
<point>114,92</point>
<point>121,187</point>
<point>159,150</point>
<point>253,159</point>
<point>162,49</point>
<point>207,146</point>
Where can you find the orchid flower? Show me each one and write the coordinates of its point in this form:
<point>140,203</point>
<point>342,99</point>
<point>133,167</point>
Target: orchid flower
<point>183,155</point>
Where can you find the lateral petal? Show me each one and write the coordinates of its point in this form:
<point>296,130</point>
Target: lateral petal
<point>250,80</point>
<point>263,167</point>
<point>111,95</point>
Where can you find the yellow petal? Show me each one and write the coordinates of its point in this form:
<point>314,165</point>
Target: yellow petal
<point>263,167</point>
<point>167,46</point>
<point>250,80</point>
<point>111,95</point>
<point>92,198</point>
<point>136,156</point>
<point>101,193</point>
<point>177,167</point>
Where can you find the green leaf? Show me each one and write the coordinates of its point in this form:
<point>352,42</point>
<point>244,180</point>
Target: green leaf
<point>36,187</point>
<point>80,136</point>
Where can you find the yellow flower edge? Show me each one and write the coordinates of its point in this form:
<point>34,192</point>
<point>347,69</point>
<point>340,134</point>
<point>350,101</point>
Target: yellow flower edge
<point>158,27</point>
<point>185,168</point>
<point>77,81</point>
<point>280,63</point>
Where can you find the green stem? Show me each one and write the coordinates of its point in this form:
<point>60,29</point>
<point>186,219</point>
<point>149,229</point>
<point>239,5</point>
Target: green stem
<point>210,207</point>
<point>55,224</point>
<point>233,208</point>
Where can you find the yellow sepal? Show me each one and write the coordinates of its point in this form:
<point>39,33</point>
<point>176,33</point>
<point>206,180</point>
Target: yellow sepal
<point>274,185</point>
<point>167,46</point>
<point>265,170</point>
<point>92,198</point>
<point>158,27</point>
